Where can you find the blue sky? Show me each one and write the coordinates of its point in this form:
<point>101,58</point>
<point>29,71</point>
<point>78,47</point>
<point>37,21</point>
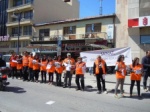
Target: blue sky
<point>91,7</point>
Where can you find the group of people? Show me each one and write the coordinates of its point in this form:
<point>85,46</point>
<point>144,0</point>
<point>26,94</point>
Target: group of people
<point>29,67</point>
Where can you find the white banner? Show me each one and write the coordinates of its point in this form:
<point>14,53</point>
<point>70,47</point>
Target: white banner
<point>109,55</point>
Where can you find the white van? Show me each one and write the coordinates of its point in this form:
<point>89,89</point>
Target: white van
<point>6,58</point>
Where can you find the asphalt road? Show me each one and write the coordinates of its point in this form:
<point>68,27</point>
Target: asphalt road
<point>35,97</point>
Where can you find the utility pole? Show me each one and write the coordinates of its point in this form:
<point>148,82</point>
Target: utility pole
<point>101,8</point>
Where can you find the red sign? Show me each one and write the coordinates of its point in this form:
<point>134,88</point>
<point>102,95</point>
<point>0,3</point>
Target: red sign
<point>145,21</point>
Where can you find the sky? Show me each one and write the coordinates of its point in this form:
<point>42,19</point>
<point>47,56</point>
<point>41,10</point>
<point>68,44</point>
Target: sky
<point>91,7</point>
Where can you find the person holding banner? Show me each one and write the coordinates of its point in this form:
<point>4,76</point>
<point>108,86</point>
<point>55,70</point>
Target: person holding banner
<point>50,69</point>
<point>13,64</point>
<point>120,75</point>
<point>99,70</point>
<point>36,67</point>
<point>30,67</point>
<point>43,68</point>
<point>80,71</point>
<point>69,64</point>
<point>135,75</point>
<point>19,67</point>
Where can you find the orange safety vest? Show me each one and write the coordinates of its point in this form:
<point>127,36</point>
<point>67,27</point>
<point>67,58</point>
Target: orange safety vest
<point>30,65</point>
<point>43,65</point>
<point>60,69</point>
<point>79,69</point>
<point>52,69</point>
<point>36,65</point>
<point>13,64</point>
<point>133,75</point>
<point>121,65</point>
<point>72,61</point>
<point>25,60</point>
<point>19,66</point>
<point>97,63</point>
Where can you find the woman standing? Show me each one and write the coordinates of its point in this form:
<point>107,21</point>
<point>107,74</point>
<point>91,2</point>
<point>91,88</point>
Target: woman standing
<point>36,67</point>
<point>135,75</point>
<point>120,74</point>
<point>19,67</point>
<point>50,69</point>
<point>43,69</point>
<point>59,70</point>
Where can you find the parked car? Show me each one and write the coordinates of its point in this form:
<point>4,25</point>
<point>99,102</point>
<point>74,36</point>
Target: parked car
<point>6,58</point>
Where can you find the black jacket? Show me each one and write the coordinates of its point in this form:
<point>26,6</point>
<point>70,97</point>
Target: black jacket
<point>146,64</point>
<point>94,67</point>
<point>2,63</point>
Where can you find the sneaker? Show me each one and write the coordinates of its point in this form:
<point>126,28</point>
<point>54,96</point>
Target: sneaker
<point>77,89</point>
<point>146,90</point>
<point>105,92</point>
<point>121,95</point>
<point>99,92</point>
<point>116,96</point>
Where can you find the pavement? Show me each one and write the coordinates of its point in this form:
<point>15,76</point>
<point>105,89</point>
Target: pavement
<point>35,97</point>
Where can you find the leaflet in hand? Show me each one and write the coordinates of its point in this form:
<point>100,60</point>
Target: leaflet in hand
<point>34,61</point>
<point>122,72</point>
<point>138,71</point>
<point>14,61</point>
<point>48,66</point>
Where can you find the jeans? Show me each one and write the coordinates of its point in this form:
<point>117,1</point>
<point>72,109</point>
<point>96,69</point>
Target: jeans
<point>43,75</point>
<point>145,77</point>
<point>19,73</point>
<point>51,77</point>
<point>119,81</point>
<point>98,78</point>
<point>132,85</point>
<point>31,74</point>
<point>25,73</point>
<point>68,75</point>
<point>81,77</point>
<point>14,71</point>
<point>36,74</point>
<point>58,79</point>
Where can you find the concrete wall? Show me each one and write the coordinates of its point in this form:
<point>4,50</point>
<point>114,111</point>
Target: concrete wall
<point>53,10</point>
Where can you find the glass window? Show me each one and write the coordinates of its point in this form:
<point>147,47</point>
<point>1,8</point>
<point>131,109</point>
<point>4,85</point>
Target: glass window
<point>15,31</point>
<point>44,32</point>
<point>145,39</point>
<point>28,1</point>
<point>25,43</point>
<point>17,2</point>
<point>96,27</point>
<point>27,30</point>
<point>28,14</point>
<point>14,44</point>
<point>69,30</point>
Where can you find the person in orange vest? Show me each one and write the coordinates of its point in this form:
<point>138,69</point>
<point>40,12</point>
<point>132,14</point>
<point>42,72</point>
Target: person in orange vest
<point>69,64</point>
<point>36,67</point>
<point>100,69</point>
<point>120,75</point>
<point>80,70</point>
<point>25,60</point>
<point>135,75</point>
<point>19,67</point>
<point>50,69</point>
<point>30,67</point>
<point>59,70</point>
<point>13,64</point>
<point>43,68</point>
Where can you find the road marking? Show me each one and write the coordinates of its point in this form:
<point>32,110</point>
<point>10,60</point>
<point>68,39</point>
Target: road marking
<point>50,102</point>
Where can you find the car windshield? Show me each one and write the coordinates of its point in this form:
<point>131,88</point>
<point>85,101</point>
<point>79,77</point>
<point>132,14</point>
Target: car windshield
<point>6,58</point>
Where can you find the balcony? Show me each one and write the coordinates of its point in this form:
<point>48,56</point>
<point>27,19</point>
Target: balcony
<point>22,22</point>
<point>21,37</point>
<point>28,6</point>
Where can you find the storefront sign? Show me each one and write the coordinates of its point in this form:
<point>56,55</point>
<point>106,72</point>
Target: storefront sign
<point>144,21</point>
<point>4,38</point>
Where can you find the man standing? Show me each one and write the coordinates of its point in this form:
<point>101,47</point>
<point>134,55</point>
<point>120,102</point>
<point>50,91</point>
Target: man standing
<point>30,67</point>
<point>69,64</point>
<point>99,70</point>
<point>80,70</point>
<point>146,69</point>
<point>25,66</point>
<point>13,64</point>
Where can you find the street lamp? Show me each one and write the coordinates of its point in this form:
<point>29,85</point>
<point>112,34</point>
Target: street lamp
<point>19,19</point>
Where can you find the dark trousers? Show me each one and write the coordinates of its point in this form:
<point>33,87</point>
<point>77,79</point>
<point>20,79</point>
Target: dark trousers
<point>68,75</point>
<point>51,77</point>
<point>19,74</point>
<point>58,79</point>
<point>36,74</point>
<point>132,85</point>
<point>43,76</point>
<point>81,78</point>
<point>14,71</point>
<point>25,72</point>
<point>145,77</point>
<point>31,74</point>
<point>99,78</point>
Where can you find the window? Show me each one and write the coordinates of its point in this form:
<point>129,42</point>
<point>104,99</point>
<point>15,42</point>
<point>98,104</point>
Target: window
<point>17,2</point>
<point>28,1</point>
<point>66,0</point>
<point>69,30</point>
<point>25,43</point>
<point>27,30</point>
<point>15,31</point>
<point>14,44</point>
<point>145,39</point>
<point>96,27</point>
<point>28,14</point>
<point>44,32</point>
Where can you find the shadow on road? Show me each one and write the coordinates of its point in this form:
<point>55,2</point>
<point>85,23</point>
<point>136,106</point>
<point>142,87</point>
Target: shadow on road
<point>17,90</point>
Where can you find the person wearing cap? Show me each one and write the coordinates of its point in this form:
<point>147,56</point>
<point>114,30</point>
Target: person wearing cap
<point>99,69</point>
<point>30,67</point>
<point>69,64</point>
<point>80,70</point>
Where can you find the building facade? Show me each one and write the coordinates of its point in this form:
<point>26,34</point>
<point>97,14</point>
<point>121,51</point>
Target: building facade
<point>133,25</point>
<point>32,12</point>
<point>76,35</point>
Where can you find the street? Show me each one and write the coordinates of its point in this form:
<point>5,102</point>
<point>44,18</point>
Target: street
<point>35,97</point>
